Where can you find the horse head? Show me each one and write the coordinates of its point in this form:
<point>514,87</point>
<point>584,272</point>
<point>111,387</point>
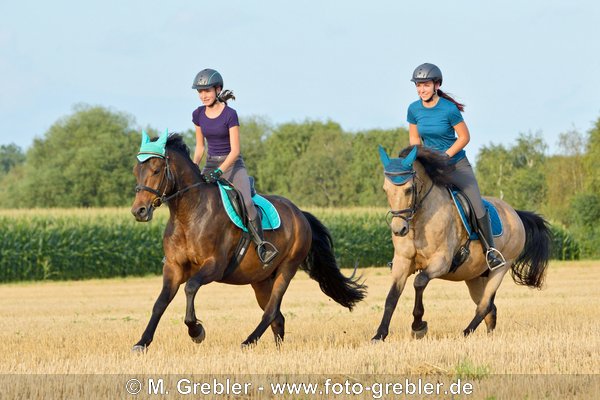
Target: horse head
<point>400,189</point>
<point>154,179</point>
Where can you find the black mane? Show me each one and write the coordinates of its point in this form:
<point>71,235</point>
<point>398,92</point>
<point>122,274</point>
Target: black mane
<point>437,164</point>
<point>175,142</point>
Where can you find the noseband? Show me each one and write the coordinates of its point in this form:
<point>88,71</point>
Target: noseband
<point>166,178</point>
<point>407,214</point>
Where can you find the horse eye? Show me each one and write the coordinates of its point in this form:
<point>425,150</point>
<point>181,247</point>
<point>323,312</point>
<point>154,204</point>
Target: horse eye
<point>408,190</point>
<point>155,172</point>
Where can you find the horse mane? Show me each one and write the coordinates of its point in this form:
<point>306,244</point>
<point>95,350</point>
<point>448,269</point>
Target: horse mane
<point>175,142</point>
<point>437,164</point>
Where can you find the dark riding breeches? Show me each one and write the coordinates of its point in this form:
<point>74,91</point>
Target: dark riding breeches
<point>464,179</point>
<point>236,175</point>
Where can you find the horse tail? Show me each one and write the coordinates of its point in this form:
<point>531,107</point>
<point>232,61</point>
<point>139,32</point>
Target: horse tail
<point>320,264</point>
<point>530,267</point>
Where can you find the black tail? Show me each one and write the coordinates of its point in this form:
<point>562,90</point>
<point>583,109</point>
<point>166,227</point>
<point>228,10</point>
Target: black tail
<point>322,267</point>
<point>530,268</point>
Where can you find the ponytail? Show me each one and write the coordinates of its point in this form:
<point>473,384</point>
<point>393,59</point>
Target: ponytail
<point>460,106</point>
<point>225,95</point>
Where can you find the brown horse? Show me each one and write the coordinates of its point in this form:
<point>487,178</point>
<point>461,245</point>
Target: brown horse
<point>427,233</point>
<point>199,242</point>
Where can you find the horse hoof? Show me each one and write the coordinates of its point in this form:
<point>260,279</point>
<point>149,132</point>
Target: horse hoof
<point>248,344</point>
<point>420,334</point>
<point>200,337</point>
<point>378,338</point>
<point>139,349</point>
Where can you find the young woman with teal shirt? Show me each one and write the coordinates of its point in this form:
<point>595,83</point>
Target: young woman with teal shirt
<point>435,121</point>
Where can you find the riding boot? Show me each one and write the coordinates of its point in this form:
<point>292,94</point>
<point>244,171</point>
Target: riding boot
<point>266,250</point>
<point>493,257</point>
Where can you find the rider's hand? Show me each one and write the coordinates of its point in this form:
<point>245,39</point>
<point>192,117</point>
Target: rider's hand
<point>213,176</point>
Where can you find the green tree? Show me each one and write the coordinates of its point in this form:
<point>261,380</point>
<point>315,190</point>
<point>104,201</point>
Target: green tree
<point>11,155</point>
<point>84,160</point>
<point>254,131</point>
<point>366,171</point>
<point>591,160</point>
<point>319,175</point>
<point>287,143</point>
<point>565,176</point>
<point>516,174</point>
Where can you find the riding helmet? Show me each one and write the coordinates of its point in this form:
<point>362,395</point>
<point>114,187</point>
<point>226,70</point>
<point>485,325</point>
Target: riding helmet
<point>427,72</point>
<point>207,78</point>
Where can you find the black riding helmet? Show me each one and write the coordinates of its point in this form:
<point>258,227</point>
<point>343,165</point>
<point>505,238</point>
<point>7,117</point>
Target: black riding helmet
<point>207,78</point>
<point>427,72</point>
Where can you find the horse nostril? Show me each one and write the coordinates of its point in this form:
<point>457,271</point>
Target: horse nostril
<point>141,212</point>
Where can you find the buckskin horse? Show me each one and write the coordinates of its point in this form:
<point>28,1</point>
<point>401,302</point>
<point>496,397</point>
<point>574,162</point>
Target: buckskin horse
<point>199,242</point>
<point>427,233</point>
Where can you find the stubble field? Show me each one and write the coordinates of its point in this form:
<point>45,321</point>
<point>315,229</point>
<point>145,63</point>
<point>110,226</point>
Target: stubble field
<point>546,342</point>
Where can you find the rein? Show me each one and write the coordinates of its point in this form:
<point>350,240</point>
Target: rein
<point>163,198</point>
<point>415,201</point>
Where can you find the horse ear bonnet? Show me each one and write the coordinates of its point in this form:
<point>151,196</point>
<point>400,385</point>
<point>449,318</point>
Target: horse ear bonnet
<point>398,170</point>
<point>149,149</point>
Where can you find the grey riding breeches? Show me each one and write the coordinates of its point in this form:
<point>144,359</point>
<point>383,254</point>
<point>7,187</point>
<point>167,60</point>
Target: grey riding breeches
<point>464,179</point>
<point>237,175</point>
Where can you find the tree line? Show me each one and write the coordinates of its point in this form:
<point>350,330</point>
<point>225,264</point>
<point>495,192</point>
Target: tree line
<point>86,158</point>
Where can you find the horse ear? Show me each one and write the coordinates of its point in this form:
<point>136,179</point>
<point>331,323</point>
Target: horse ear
<point>410,158</point>
<point>162,139</point>
<point>385,159</point>
<point>145,137</point>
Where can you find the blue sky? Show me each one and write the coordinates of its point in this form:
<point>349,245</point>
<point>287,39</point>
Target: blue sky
<point>519,66</point>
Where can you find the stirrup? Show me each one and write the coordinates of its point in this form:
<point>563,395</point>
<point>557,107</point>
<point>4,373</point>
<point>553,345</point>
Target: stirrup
<point>264,248</point>
<point>496,253</point>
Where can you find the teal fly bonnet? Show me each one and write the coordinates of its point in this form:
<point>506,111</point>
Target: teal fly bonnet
<point>149,149</point>
<point>398,170</point>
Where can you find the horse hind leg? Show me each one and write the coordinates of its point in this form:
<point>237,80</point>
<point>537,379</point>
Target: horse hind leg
<point>483,292</point>
<point>476,287</point>
<point>272,308</point>
<point>262,291</point>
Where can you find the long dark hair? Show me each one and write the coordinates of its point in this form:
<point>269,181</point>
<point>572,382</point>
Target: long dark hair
<point>225,95</point>
<point>461,106</point>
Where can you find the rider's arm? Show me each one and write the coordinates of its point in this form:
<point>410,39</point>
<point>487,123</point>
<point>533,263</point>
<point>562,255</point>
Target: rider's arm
<point>463,138</point>
<point>199,152</point>
<point>413,135</point>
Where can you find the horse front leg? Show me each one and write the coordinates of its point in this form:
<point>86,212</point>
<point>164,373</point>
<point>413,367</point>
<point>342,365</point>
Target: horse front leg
<point>400,272</point>
<point>165,297</point>
<point>195,328</point>
<point>419,327</point>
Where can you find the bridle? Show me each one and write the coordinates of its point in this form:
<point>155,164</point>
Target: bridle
<point>407,214</point>
<point>166,178</point>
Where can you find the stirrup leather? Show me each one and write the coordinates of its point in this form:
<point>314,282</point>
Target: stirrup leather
<point>496,253</point>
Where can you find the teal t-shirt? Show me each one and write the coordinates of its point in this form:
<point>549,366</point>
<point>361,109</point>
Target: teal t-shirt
<point>436,124</point>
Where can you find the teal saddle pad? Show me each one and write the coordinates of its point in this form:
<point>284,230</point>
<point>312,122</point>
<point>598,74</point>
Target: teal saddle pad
<point>497,227</point>
<point>269,216</point>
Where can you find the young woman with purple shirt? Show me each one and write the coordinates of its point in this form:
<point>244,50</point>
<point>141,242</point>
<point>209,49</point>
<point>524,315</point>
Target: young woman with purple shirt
<point>217,124</point>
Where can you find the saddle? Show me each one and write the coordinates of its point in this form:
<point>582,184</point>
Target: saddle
<point>469,220</point>
<point>467,214</point>
<point>236,209</point>
<point>238,214</point>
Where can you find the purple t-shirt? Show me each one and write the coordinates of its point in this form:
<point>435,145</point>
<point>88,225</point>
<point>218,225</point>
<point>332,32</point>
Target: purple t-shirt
<point>216,130</point>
